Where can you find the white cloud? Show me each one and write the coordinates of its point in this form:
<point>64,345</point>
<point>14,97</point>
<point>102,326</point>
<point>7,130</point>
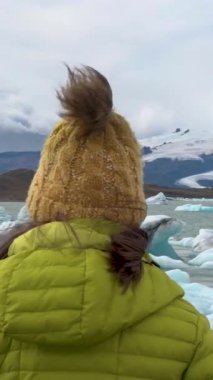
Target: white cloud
<point>153,120</point>
<point>157,54</point>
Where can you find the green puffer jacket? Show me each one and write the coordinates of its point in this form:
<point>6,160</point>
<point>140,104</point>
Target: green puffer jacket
<point>63,315</point>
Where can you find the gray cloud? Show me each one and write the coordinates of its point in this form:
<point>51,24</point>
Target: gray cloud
<point>17,115</point>
<point>157,54</point>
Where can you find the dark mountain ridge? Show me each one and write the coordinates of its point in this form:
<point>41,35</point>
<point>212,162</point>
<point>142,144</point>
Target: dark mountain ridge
<point>14,186</point>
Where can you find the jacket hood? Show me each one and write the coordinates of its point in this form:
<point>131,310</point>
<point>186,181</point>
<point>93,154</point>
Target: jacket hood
<point>56,288</point>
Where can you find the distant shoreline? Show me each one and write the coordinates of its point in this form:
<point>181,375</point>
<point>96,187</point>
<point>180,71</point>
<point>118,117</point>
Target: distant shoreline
<point>14,187</point>
<point>174,192</point>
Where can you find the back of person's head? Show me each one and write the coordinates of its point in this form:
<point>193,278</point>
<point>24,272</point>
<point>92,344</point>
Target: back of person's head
<point>90,166</point>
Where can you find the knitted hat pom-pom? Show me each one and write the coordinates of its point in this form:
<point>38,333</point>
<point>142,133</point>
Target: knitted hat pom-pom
<point>87,97</point>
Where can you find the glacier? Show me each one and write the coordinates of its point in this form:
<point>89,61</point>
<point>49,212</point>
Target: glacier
<point>193,180</point>
<point>179,146</point>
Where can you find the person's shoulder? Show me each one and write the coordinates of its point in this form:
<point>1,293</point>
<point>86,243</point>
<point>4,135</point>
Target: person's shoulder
<point>188,318</point>
<point>189,311</point>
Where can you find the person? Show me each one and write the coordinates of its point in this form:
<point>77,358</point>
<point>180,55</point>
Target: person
<point>80,297</point>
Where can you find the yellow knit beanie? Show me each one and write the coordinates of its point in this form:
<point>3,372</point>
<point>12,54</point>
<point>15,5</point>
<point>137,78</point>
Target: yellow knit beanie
<point>90,166</point>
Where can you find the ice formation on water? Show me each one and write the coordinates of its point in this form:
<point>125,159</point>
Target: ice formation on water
<point>159,199</point>
<point>191,199</point>
<point>7,224</point>
<point>166,262</point>
<point>185,242</point>
<point>194,208</point>
<point>199,295</point>
<point>203,259</point>
<point>4,216</point>
<point>202,242</point>
<point>159,229</point>
<point>179,276</point>
<point>23,215</point>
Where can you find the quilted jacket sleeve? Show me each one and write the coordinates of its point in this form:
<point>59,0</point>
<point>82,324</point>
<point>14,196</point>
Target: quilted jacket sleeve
<point>4,348</point>
<point>201,366</point>
<point>5,341</point>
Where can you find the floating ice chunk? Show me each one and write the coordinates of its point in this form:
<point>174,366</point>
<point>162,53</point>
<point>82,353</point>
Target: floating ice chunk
<point>185,242</point>
<point>23,215</point>
<point>197,208</point>
<point>166,262</point>
<point>179,276</point>
<point>207,265</point>
<point>159,199</point>
<point>7,226</point>
<point>192,199</point>
<point>159,229</point>
<point>204,240</point>
<point>164,225</point>
<point>4,216</point>
<point>200,296</point>
<point>203,258</point>
<point>154,219</point>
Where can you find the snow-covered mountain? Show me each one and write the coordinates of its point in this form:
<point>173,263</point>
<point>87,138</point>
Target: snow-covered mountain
<point>178,159</point>
<point>181,158</point>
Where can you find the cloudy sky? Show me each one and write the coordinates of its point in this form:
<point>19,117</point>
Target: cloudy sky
<point>157,55</point>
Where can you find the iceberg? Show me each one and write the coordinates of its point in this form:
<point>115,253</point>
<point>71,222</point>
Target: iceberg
<point>194,208</point>
<point>159,229</point>
<point>185,242</point>
<point>202,242</point>
<point>159,199</point>
<point>207,265</point>
<point>23,215</point>
<point>4,216</point>
<point>166,262</point>
<point>200,296</point>
<point>179,276</point>
<point>204,259</point>
<point>7,225</point>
